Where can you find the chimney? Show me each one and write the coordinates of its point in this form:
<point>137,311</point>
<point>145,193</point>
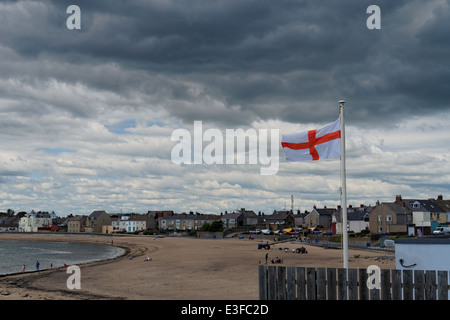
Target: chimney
<point>403,204</point>
<point>398,197</point>
<point>439,197</point>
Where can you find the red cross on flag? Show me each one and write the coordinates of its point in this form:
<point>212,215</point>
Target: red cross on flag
<point>313,144</point>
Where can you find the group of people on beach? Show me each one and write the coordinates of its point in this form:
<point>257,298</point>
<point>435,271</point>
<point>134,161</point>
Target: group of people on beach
<point>37,266</point>
<point>276,260</point>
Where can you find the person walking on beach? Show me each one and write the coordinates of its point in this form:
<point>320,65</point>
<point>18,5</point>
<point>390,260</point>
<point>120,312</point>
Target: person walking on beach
<point>37,265</point>
<point>23,268</point>
<point>267,257</point>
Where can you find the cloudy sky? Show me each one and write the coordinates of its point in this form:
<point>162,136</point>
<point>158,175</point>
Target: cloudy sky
<point>86,116</point>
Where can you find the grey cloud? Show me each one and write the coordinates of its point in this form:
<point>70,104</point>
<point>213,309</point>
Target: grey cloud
<point>290,60</point>
<point>228,63</point>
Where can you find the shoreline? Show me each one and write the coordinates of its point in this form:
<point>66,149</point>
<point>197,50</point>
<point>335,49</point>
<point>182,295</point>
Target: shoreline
<point>180,268</point>
<point>18,285</point>
<point>125,250</point>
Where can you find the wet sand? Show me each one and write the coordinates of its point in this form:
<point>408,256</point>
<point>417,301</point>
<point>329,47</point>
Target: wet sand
<point>180,269</point>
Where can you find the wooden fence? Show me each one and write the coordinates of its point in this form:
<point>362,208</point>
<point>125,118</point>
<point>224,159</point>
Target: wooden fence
<point>305,283</point>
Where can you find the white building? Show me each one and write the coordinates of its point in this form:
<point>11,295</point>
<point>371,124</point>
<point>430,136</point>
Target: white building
<point>134,222</point>
<point>123,223</point>
<point>357,219</point>
<point>427,253</point>
<point>31,223</point>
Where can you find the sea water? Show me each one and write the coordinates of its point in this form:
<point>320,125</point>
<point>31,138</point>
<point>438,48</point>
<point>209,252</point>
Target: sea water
<point>16,254</point>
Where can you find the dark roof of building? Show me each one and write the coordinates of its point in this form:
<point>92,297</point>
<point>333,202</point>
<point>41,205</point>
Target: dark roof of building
<point>420,205</point>
<point>96,214</point>
<point>76,218</point>
<point>233,215</point>
<point>139,217</point>
<point>394,207</point>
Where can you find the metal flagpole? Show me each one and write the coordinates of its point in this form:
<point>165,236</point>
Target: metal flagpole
<point>343,188</point>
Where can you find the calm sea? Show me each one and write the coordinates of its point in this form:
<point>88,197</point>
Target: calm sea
<point>15,254</point>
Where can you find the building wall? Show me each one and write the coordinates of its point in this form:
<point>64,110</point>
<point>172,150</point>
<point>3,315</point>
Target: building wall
<point>382,220</point>
<point>229,223</point>
<point>107,229</point>
<point>420,255</point>
<point>440,218</point>
<point>135,225</point>
<point>176,223</point>
<point>358,225</point>
<point>103,219</point>
<point>74,226</point>
<point>421,218</point>
<point>312,219</point>
<point>32,223</point>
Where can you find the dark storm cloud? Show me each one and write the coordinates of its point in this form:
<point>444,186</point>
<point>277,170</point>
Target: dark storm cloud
<point>234,62</point>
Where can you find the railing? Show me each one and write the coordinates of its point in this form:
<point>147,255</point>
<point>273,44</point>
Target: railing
<point>338,245</point>
<point>308,283</point>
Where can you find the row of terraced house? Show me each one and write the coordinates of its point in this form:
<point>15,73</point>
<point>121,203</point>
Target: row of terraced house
<point>411,216</point>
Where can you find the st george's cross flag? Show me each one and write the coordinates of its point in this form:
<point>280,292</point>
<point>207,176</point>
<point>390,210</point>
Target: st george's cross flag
<point>313,144</point>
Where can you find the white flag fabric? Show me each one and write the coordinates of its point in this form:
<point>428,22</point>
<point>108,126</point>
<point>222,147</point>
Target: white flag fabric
<point>313,145</point>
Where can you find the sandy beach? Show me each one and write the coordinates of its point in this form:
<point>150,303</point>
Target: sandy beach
<point>180,269</point>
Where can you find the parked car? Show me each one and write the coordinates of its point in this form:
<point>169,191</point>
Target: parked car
<point>441,230</point>
<point>388,243</point>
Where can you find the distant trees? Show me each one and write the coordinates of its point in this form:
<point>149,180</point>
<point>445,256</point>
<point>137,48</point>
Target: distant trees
<point>11,212</point>
<point>215,226</point>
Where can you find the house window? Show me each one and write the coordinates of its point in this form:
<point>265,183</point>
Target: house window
<point>379,218</point>
<point>389,218</point>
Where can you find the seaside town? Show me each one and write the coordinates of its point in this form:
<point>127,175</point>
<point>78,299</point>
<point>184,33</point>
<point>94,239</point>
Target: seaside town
<point>150,150</point>
<point>403,216</point>
<point>395,238</point>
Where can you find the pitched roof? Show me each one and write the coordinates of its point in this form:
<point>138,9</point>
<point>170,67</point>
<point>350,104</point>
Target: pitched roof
<point>357,215</point>
<point>248,213</point>
<point>443,204</point>
<point>96,214</point>
<point>394,207</point>
<point>233,215</point>
<point>76,218</point>
<point>9,220</point>
<point>179,217</point>
<point>160,213</point>
<point>139,217</point>
<point>325,211</point>
<point>421,205</point>
<point>278,216</point>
